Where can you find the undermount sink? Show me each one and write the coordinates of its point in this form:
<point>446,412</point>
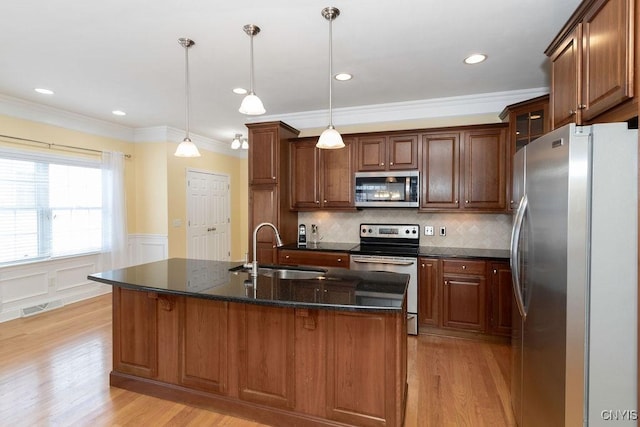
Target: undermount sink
<point>287,272</point>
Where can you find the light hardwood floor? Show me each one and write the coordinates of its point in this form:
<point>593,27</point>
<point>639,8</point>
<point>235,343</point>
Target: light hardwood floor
<point>54,371</point>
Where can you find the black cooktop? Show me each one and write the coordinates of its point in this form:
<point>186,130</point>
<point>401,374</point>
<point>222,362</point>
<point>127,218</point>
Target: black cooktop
<point>386,250</point>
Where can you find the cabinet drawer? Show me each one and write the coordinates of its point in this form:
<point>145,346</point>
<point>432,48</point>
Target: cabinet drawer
<point>314,258</point>
<point>464,266</point>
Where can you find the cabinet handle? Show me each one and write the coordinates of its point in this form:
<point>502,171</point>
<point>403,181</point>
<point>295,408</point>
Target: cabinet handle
<point>211,229</point>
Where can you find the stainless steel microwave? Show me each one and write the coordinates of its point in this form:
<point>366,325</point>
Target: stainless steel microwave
<point>392,189</point>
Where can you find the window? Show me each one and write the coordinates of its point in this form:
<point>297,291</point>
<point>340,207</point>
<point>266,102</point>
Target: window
<point>50,206</point>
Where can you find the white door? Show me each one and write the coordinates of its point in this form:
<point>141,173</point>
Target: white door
<point>208,234</point>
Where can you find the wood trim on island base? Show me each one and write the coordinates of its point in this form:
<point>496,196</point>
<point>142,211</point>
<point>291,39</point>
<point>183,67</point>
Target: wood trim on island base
<point>278,365</point>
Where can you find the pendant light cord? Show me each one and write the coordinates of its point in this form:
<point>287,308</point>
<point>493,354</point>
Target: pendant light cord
<point>330,72</point>
<point>251,66</point>
<point>186,85</point>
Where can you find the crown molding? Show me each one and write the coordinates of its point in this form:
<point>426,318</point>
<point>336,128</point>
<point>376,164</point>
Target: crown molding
<point>486,103</point>
<point>28,110</point>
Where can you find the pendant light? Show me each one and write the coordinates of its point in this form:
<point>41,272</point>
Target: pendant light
<point>330,138</point>
<point>237,141</point>
<point>186,148</point>
<point>251,104</point>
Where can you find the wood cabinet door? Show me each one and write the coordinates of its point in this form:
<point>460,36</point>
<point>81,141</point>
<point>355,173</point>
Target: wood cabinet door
<point>501,290</point>
<point>484,155</point>
<point>263,155</point>
<point>565,81</point>
<point>607,56</point>
<point>203,344</point>
<point>440,169</point>
<point>264,208</point>
<point>304,177</point>
<point>360,360</point>
<point>428,296</point>
<point>267,340</point>
<point>463,302</point>
<point>403,152</point>
<point>135,332</point>
<point>337,176</point>
<point>372,153</point>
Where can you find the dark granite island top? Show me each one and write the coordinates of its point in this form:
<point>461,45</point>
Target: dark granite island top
<point>335,288</point>
<point>303,350</point>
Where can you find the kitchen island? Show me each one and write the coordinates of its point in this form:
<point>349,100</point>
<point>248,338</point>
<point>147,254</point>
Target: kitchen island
<point>323,348</point>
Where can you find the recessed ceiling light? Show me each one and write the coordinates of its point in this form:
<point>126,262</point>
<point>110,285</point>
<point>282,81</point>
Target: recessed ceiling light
<point>240,91</point>
<point>343,77</point>
<point>118,113</point>
<point>44,91</point>
<point>475,58</point>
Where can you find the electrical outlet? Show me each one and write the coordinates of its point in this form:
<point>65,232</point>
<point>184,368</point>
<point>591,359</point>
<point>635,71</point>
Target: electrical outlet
<point>443,231</point>
<point>428,230</point>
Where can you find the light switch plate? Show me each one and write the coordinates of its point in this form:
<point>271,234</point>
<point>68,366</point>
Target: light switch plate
<point>428,230</point>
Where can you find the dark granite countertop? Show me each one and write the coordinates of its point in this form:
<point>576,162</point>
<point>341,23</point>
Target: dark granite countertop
<point>322,246</point>
<point>428,251</point>
<point>437,252</point>
<point>337,289</point>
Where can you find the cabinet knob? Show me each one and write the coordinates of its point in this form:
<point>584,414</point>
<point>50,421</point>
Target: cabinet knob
<point>446,283</point>
<point>495,271</point>
<point>286,256</point>
<point>391,163</point>
<point>325,201</point>
<point>582,106</point>
<point>456,201</point>
<point>381,164</point>
<point>318,202</point>
<point>339,259</point>
<point>325,291</point>
<point>273,177</point>
<point>464,267</point>
<point>466,201</point>
<point>422,265</point>
<point>572,112</point>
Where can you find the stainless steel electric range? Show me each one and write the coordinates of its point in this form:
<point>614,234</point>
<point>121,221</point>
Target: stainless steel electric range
<point>393,248</point>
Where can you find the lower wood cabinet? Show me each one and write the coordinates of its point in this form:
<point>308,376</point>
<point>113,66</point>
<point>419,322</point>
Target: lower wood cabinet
<point>464,295</point>
<point>285,366</point>
<point>313,258</point>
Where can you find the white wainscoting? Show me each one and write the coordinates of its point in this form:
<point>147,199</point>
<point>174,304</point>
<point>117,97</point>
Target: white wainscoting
<point>39,286</point>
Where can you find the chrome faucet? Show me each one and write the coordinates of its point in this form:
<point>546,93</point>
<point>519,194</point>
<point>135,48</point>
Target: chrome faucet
<point>254,263</point>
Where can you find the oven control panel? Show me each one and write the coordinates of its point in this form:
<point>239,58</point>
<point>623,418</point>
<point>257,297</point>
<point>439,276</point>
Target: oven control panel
<point>390,231</point>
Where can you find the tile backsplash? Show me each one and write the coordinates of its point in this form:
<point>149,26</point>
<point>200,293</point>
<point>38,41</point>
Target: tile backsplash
<point>482,231</point>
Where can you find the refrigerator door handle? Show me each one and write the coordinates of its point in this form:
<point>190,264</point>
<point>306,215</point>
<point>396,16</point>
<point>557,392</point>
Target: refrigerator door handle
<point>515,255</point>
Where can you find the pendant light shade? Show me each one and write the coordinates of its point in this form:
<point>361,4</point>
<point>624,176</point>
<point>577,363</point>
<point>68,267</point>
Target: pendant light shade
<point>330,138</point>
<point>186,148</point>
<point>251,104</point>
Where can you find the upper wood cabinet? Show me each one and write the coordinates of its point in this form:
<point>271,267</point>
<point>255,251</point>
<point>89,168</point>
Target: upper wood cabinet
<point>527,120</point>
<point>484,163</point>
<point>387,152</point>
<point>440,169</point>
<point>593,63</point>
<point>465,170</point>
<point>321,179</point>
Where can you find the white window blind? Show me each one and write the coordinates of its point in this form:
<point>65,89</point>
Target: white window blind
<point>50,206</point>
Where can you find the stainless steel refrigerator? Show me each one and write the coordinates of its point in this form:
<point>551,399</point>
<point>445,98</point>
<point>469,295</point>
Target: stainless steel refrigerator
<point>574,265</point>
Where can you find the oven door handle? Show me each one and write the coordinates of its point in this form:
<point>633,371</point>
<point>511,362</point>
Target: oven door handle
<point>391,262</point>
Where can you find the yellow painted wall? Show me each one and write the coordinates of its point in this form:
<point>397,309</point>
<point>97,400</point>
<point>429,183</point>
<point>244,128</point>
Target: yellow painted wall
<point>53,134</point>
<point>235,168</point>
<point>150,195</point>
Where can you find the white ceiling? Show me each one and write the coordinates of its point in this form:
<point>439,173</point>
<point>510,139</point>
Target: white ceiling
<point>124,54</point>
